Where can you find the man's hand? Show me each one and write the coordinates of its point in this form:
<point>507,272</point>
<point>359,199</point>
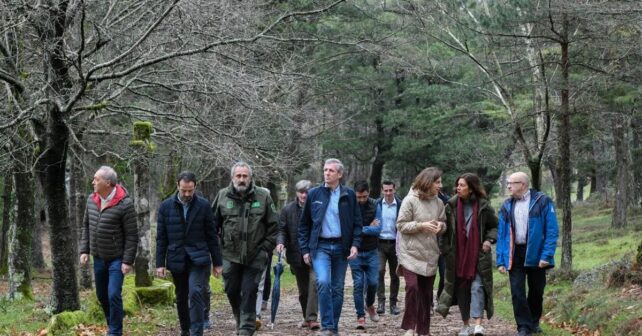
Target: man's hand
<point>375,222</point>
<point>543,264</point>
<point>84,258</point>
<point>502,269</point>
<point>486,246</point>
<point>126,268</point>
<point>280,248</point>
<point>353,253</point>
<point>306,259</point>
<point>217,271</point>
<point>161,272</point>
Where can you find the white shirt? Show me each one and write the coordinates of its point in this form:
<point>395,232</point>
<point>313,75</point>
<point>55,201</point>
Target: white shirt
<point>105,201</point>
<point>521,218</point>
<point>389,219</point>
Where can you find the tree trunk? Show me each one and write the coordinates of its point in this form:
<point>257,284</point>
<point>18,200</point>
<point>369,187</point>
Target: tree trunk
<point>600,171</point>
<point>141,201</point>
<point>7,218</point>
<point>20,234</point>
<point>37,259</point>
<point>564,144</point>
<point>581,183</point>
<point>636,158</point>
<point>64,245</point>
<point>535,167</point>
<point>620,124</point>
<point>77,203</point>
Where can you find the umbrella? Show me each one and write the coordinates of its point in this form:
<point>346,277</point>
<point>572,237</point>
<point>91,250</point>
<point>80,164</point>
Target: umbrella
<point>276,288</point>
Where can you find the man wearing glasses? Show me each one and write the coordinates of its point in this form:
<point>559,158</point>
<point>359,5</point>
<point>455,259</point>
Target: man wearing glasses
<point>526,242</point>
<point>287,240</point>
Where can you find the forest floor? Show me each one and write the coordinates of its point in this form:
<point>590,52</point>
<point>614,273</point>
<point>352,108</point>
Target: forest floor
<point>289,317</point>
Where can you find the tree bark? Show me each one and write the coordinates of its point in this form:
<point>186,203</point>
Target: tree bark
<point>619,219</point>
<point>564,145</point>
<point>7,211</point>
<point>636,158</point>
<point>141,201</point>
<point>77,203</point>
<point>20,233</point>
<point>38,260</point>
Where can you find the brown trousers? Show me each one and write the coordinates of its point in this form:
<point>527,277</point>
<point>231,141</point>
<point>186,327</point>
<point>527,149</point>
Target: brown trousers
<point>418,301</point>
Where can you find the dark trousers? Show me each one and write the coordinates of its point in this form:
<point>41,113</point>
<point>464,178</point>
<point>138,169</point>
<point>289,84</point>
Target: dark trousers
<point>267,286</point>
<point>306,283</point>
<point>241,283</point>
<point>388,254</point>
<point>191,286</point>
<point>416,316</point>
<point>527,309</point>
<point>441,264</point>
<point>109,284</point>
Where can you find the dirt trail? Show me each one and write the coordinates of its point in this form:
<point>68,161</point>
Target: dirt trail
<point>289,316</point>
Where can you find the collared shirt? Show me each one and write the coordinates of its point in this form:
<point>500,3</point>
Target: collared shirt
<point>389,219</point>
<point>521,218</point>
<point>331,226</point>
<point>185,206</point>
<point>105,201</point>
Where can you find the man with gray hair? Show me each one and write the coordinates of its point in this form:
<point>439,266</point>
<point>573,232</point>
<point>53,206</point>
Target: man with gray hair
<point>110,235</point>
<point>248,226</point>
<point>287,240</point>
<point>329,236</point>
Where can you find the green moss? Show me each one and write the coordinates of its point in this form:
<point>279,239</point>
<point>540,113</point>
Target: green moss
<point>65,321</point>
<point>161,292</point>
<point>216,285</point>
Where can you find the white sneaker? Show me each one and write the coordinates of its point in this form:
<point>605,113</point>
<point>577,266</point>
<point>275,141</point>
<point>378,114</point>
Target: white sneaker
<point>479,330</point>
<point>409,333</point>
<point>466,331</point>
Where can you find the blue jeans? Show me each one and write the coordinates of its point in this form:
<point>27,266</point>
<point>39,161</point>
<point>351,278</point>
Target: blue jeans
<point>365,277</point>
<point>330,265</point>
<point>190,289</point>
<point>109,285</point>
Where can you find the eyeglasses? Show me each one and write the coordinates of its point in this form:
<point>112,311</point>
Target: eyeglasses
<point>513,182</point>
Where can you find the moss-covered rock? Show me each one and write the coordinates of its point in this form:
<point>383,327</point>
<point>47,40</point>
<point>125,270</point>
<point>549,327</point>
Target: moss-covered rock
<point>66,320</point>
<point>161,292</point>
<point>216,285</point>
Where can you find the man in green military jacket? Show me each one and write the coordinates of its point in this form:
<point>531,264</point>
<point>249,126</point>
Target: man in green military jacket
<point>248,225</point>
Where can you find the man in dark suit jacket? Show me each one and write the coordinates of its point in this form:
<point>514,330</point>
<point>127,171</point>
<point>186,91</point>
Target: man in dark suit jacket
<point>186,245</point>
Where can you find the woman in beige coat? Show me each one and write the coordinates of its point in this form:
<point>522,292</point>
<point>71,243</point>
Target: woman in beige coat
<point>421,218</point>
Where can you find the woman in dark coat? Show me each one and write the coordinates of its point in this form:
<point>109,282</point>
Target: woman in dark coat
<point>470,232</point>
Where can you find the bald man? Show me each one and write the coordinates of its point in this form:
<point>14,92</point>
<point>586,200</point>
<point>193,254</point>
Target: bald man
<point>526,242</point>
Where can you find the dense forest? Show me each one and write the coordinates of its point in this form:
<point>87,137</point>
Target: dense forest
<point>150,87</point>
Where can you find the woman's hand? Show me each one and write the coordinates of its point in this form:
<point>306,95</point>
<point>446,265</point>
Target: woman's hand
<point>486,246</point>
<point>431,227</point>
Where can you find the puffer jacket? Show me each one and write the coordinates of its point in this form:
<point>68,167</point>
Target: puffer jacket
<point>194,239</point>
<point>113,232</point>
<point>248,224</point>
<point>487,222</point>
<point>418,250</point>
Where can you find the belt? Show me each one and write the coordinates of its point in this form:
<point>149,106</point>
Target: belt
<point>387,241</point>
<point>330,240</point>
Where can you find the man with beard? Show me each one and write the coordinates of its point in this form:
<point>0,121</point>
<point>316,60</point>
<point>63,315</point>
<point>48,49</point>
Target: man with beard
<point>186,245</point>
<point>248,226</point>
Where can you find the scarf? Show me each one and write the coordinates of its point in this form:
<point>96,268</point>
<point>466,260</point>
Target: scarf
<point>467,248</point>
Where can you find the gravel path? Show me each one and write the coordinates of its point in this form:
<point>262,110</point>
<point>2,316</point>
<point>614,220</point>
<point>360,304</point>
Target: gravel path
<point>289,316</point>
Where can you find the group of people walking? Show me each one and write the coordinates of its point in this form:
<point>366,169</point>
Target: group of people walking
<point>323,231</point>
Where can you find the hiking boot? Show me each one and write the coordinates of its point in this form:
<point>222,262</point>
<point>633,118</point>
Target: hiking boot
<point>394,310</point>
<point>538,330</point>
<point>478,331</point>
<point>304,325</point>
<point>314,325</point>
<point>372,313</point>
<point>361,323</point>
<point>381,308</point>
<point>523,332</point>
<point>465,331</point>
<point>258,323</point>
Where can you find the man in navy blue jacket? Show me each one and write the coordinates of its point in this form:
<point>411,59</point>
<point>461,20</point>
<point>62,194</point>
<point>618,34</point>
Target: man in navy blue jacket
<point>526,243</point>
<point>187,245</point>
<point>329,236</point>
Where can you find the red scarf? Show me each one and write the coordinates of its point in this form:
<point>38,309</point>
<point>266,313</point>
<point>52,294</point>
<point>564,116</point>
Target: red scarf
<point>467,248</point>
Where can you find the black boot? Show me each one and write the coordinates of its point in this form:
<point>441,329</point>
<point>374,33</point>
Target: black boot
<point>394,310</point>
<point>381,308</point>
